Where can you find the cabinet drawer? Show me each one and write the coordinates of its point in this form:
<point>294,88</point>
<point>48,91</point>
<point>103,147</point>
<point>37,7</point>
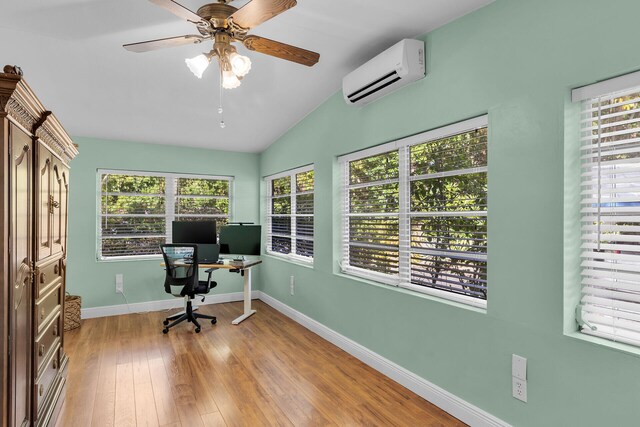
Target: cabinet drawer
<point>46,276</point>
<point>45,380</point>
<point>47,341</point>
<point>48,306</point>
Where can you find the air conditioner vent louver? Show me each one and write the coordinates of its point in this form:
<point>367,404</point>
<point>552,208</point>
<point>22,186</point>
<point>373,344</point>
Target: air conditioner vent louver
<point>373,80</point>
<point>374,87</point>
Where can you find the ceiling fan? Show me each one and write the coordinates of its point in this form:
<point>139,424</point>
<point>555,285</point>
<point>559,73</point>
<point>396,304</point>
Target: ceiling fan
<point>224,24</point>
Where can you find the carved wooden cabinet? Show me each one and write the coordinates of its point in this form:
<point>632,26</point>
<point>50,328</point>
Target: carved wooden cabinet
<point>34,187</point>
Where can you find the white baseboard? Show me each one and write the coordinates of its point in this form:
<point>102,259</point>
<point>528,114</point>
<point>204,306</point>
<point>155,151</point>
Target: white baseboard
<point>141,307</point>
<point>450,403</point>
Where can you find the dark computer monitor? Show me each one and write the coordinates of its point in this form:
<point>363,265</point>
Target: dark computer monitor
<point>240,239</point>
<point>195,232</point>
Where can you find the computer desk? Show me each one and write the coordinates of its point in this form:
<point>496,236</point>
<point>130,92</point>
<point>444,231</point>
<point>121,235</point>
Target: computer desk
<point>243,267</point>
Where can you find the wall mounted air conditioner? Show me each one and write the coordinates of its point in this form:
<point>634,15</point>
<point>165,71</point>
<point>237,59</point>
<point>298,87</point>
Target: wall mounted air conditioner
<point>401,64</point>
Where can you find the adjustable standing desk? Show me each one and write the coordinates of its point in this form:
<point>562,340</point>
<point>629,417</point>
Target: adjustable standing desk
<point>245,268</point>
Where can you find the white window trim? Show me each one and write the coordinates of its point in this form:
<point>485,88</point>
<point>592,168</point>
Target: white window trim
<point>438,133</point>
<point>170,215</point>
<point>291,173</point>
<point>403,146</point>
<point>606,87</point>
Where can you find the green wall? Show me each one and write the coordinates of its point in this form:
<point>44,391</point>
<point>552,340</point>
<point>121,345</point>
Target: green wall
<point>516,60</point>
<point>143,280</point>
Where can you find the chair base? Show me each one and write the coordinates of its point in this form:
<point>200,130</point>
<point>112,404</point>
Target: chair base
<point>189,315</point>
<point>177,315</point>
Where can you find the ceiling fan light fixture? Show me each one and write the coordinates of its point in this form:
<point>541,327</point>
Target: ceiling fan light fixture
<point>229,80</point>
<point>198,64</point>
<point>240,64</point>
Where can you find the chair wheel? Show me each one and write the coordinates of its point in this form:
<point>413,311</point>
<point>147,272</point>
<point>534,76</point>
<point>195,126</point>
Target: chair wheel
<point>197,330</point>
<point>165,322</point>
<point>165,331</point>
<point>214,321</point>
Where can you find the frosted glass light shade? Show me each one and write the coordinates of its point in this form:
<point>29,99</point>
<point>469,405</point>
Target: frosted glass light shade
<point>240,65</point>
<point>229,80</point>
<point>197,65</point>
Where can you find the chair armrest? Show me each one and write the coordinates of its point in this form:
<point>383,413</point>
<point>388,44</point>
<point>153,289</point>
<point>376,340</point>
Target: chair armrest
<point>209,271</point>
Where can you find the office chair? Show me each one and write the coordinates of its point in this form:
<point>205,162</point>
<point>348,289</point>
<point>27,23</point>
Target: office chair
<point>181,280</point>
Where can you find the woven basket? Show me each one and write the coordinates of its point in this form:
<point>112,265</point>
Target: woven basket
<point>72,305</point>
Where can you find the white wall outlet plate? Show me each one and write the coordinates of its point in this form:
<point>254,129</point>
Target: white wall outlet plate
<point>519,389</point>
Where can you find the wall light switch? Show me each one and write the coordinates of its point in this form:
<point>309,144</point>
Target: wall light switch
<point>119,283</point>
<point>518,367</point>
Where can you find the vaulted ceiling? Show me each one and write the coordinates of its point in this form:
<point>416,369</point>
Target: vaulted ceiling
<point>72,56</point>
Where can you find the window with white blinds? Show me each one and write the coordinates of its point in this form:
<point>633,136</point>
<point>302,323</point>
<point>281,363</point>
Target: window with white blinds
<point>610,211</point>
<point>290,209</point>
<point>415,212</point>
<point>136,209</point>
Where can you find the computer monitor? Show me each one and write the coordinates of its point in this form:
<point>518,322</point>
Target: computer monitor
<point>195,232</point>
<point>240,239</point>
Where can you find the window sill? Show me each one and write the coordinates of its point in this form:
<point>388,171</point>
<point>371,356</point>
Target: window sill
<point>602,342</point>
<point>301,263</point>
<point>429,297</point>
<point>131,258</point>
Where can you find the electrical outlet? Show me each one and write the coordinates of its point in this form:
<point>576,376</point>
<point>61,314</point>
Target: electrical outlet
<point>292,285</point>
<point>119,284</point>
<point>519,388</point>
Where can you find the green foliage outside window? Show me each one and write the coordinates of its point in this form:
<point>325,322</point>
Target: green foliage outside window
<point>304,181</point>
<point>281,186</point>
<point>374,168</point>
<point>203,187</point>
<point>114,183</point>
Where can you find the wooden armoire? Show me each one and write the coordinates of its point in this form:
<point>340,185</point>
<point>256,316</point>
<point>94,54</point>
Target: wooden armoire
<point>34,190</point>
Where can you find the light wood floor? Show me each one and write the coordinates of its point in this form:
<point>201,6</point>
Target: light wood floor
<point>266,371</point>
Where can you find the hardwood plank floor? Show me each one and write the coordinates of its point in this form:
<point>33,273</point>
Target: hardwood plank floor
<point>266,371</point>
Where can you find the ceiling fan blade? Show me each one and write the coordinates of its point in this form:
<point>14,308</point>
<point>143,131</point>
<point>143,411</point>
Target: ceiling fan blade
<point>177,9</point>
<point>162,43</point>
<point>281,50</point>
<point>257,11</point>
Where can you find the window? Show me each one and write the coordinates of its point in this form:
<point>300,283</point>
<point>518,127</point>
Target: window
<point>610,210</point>
<point>137,208</point>
<point>415,212</point>
<point>290,214</point>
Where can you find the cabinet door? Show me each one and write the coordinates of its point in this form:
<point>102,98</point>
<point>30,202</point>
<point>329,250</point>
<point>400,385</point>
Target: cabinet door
<point>59,204</point>
<point>20,278</point>
<point>43,191</point>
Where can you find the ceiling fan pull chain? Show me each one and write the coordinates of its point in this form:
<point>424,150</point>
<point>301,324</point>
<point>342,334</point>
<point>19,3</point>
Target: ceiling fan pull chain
<point>220,109</point>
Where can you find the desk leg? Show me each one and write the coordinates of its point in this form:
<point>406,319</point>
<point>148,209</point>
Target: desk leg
<point>247,298</point>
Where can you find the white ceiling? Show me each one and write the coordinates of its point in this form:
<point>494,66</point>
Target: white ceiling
<point>72,56</point>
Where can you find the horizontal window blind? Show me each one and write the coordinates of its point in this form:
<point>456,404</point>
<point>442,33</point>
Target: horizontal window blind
<point>290,210</point>
<point>136,209</point>
<point>610,220</point>
<point>414,212</point>
<point>372,228</point>
<point>448,211</point>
